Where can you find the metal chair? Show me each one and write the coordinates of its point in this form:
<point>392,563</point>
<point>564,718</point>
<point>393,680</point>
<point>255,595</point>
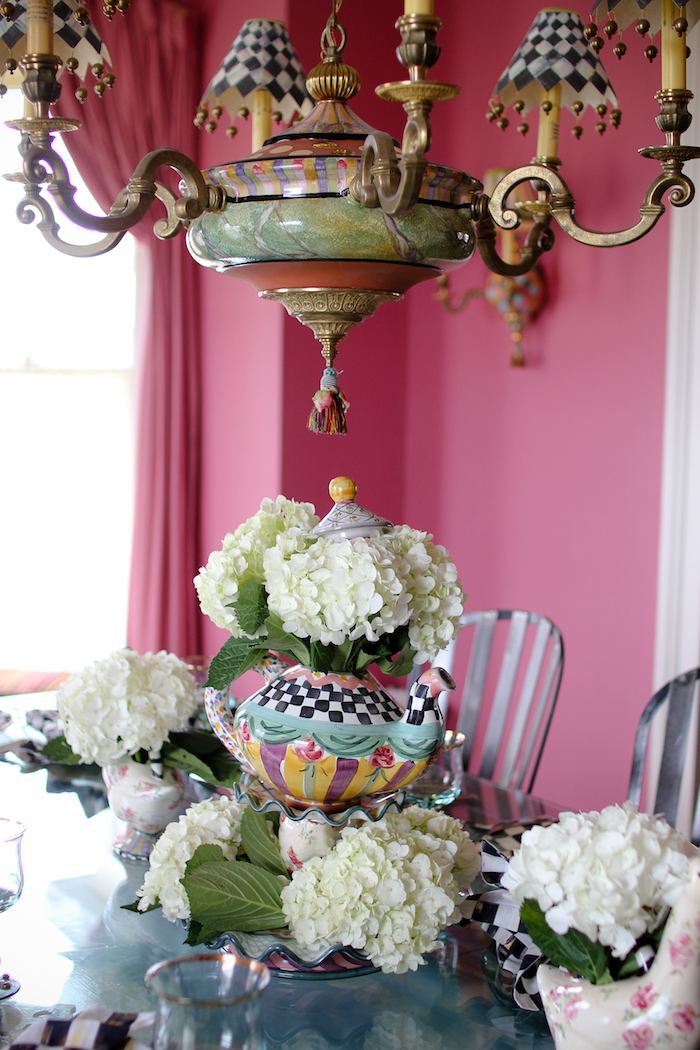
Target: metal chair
<point>516,730</point>
<point>679,695</point>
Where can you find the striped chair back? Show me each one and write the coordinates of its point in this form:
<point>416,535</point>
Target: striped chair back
<point>678,698</point>
<point>518,709</point>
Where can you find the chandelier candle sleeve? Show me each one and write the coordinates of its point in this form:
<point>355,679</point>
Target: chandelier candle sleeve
<point>40,27</point>
<point>673,49</point>
<point>262,117</point>
<point>548,129</point>
<point>418,7</point>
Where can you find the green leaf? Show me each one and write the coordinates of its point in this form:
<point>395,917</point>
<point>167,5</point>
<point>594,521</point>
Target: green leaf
<point>259,845</point>
<point>251,605</point>
<point>207,853</point>
<point>134,906</point>
<point>572,950</point>
<point>283,642</point>
<point>59,750</point>
<point>199,934</point>
<point>178,758</point>
<point>216,765</point>
<point>322,656</point>
<point>236,656</point>
<point>401,665</point>
<point>234,896</point>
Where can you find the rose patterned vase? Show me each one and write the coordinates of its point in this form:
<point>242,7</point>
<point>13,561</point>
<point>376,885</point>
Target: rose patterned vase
<point>146,799</point>
<point>327,739</point>
<point>659,1009</point>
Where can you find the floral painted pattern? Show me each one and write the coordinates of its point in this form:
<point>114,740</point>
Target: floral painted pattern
<point>308,750</point>
<point>681,951</point>
<point>382,757</point>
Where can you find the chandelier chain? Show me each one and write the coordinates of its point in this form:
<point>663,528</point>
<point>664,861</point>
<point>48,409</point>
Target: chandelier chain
<point>330,47</point>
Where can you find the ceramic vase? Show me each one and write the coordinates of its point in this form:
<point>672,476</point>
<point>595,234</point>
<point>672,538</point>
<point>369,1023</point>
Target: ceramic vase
<point>659,1009</point>
<point>146,799</point>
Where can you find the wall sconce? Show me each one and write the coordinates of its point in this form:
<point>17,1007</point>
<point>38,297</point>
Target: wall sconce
<point>517,298</point>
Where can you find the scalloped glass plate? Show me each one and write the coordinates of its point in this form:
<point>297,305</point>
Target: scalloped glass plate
<point>262,798</point>
<point>285,957</point>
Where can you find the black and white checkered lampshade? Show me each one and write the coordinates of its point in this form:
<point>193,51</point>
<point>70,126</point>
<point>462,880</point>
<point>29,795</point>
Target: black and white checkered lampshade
<point>262,55</point>
<point>627,12</point>
<point>555,51</point>
<point>70,38</point>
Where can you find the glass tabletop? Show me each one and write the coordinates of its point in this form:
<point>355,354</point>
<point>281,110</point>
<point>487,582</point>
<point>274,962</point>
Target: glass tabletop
<point>70,944</point>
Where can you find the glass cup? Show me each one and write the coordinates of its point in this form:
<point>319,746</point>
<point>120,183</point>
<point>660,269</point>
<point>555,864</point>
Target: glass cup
<point>11,882</point>
<point>208,1001</point>
<point>442,781</point>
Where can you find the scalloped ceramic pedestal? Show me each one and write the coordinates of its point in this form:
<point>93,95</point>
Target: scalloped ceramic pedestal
<point>659,1009</point>
<point>145,801</point>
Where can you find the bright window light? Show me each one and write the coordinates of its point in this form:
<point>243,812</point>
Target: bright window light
<point>66,445</point>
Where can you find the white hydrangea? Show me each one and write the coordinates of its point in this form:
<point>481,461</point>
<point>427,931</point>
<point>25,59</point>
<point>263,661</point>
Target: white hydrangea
<point>241,557</point>
<point>388,888</point>
<point>606,874</point>
<point>215,821</point>
<point>125,702</point>
<point>436,596</point>
<point>330,590</point>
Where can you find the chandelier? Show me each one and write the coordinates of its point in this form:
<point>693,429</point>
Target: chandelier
<point>328,215</point>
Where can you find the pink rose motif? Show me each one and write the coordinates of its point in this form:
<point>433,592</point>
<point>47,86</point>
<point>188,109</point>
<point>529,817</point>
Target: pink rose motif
<point>294,859</point>
<point>681,951</point>
<point>308,750</point>
<point>643,997</point>
<point>639,1036</point>
<point>683,1019</point>
<point>571,1009</point>
<point>244,733</point>
<point>382,757</point>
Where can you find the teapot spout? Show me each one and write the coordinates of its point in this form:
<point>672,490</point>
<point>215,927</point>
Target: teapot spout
<point>422,707</point>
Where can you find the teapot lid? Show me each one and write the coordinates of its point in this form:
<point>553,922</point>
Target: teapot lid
<point>347,518</point>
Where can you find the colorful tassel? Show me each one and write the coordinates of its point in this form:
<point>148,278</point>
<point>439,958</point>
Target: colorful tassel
<point>328,414</point>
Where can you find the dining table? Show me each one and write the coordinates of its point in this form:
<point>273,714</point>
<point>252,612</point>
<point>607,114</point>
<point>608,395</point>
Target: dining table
<point>71,944</point>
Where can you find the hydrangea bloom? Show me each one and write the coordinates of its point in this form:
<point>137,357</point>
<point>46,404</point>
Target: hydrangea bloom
<point>124,703</point>
<point>215,821</point>
<point>330,590</point>
<point>388,888</point>
<point>608,874</point>
<point>242,554</point>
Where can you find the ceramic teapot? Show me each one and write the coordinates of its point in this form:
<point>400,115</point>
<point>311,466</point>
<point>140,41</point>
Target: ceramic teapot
<point>327,738</point>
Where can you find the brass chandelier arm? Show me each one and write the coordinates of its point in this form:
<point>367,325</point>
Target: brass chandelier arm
<point>562,203</point>
<point>134,201</point>
<point>33,203</point>
<point>540,239</point>
<point>384,182</point>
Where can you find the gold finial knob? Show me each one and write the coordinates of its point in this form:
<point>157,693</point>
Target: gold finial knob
<point>342,490</point>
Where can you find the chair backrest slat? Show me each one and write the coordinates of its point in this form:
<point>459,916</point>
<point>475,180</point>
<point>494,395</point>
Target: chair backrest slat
<point>544,709</point>
<point>476,675</point>
<point>680,706</point>
<point>504,693</point>
<point>527,695</point>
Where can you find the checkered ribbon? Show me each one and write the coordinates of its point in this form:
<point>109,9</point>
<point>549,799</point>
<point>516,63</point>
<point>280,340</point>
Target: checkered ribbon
<point>499,916</point>
<point>555,51</point>
<point>262,55</point>
<point>70,37</point>
<point>627,12</point>
<point>95,1029</point>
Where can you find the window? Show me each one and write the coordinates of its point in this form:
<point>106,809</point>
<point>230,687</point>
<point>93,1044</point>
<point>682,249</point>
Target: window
<point>66,446</point>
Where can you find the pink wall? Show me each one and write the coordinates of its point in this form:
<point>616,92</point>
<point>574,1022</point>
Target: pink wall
<point>545,481</point>
<point>542,481</point>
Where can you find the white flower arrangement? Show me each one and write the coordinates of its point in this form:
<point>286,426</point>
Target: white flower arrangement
<point>124,703</point>
<point>389,887</point>
<point>611,876</point>
<point>362,599</point>
<point>215,821</point>
<point>241,557</point>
